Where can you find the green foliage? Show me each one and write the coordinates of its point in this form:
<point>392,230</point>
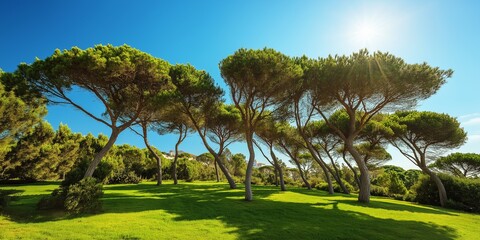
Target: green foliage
<point>84,196</point>
<point>462,193</point>
<point>378,191</point>
<point>460,164</point>
<point>336,188</point>
<point>396,186</point>
<point>124,177</point>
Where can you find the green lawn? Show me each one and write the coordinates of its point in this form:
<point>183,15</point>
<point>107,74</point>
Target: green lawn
<point>206,210</point>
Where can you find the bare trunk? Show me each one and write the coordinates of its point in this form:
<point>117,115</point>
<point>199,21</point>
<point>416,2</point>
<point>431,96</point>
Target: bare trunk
<point>355,175</point>
<point>224,169</point>
<point>98,157</point>
<point>251,160</point>
<point>216,170</point>
<point>174,170</point>
<point>220,164</point>
<point>442,193</point>
<point>155,155</point>
<point>278,169</point>
<point>364,186</point>
<point>320,162</point>
<point>336,174</point>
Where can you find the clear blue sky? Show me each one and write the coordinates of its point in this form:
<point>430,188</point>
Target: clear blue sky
<point>443,33</point>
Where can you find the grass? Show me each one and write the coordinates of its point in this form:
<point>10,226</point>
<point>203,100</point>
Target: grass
<point>208,210</point>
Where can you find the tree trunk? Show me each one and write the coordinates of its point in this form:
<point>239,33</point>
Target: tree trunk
<point>442,193</point>
<point>320,162</point>
<point>155,155</point>
<point>216,170</point>
<point>355,175</point>
<point>336,174</point>
<point>222,167</point>
<point>174,170</point>
<point>251,160</point>
<point>278,169</point>
<point>98,157</point>
<point>364,194</point>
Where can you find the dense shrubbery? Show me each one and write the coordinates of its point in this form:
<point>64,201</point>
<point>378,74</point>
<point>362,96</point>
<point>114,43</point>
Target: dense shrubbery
<point>463,194</point>
<point>378,191</point>
<point>80,197</point>
<point>124,177</point>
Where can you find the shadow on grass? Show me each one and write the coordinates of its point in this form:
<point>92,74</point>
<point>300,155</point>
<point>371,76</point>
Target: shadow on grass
<point>376,202</point>
<point>261,218</point>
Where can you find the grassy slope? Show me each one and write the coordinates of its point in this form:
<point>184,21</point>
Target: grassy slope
<point>212,211</point>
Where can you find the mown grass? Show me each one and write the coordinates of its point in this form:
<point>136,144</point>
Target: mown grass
<point>207,210</point>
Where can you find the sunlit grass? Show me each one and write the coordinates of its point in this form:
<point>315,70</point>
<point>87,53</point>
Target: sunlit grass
<point>208,210</point>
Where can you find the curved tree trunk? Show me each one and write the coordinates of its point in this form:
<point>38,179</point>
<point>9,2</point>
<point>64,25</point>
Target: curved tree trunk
<point>278,169</point>
<point>174,169</point>
<point>216,170</point>
<point>251,160</point>
<point>442,193</point>
<point>364,194</point>
<point>98,157</point>
<point>355,175</point>
<point>320,162</point>
<point>155,155</point>
<point>336,173</point>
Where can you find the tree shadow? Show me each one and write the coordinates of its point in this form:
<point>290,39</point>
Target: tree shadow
<point>376,202</point>
<point>262,218</point>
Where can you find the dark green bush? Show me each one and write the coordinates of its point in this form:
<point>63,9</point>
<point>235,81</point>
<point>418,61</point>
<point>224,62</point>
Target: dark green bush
<point>336,188</point>
<point>378,191</point>
<point>54,201</point>
<point>463,193</point>
<point>124,177</point>
<point>84,196</point>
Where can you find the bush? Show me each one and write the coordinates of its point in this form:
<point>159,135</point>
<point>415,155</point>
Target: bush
<point>54,201</point>
<point>124,177</point>
<point>378,191</point>
<point>463,194</point>
<point>336,188</point>
<point>84,196</point>
<point>81,197</point>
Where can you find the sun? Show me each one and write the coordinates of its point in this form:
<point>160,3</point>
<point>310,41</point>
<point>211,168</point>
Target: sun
<point>366,33</point>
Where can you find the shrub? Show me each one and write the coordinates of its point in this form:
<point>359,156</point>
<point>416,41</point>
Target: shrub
<point>378,191</point>
<point>463,194</point>
<point>396,186</point>
<point>336,188</point>
<point>124,177</point>
<point>54,201</point>
<point>84,196</point>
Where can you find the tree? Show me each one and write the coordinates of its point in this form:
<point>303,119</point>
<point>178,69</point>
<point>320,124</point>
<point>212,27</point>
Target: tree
<point>364,84</point>
<point>34,157</point>
<point>238,164</point>
<point>460,164</point>
<point>421,136</point>
<point>122,78</point>
<point>291,144</point>
<point>257,79</point>
<point>269,134</point>
<point>21,108</point>
<point>173,121</point>
<point>200,101</point>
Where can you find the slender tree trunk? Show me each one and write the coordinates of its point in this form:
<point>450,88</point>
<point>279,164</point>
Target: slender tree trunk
<point>98,157</point>
<point>336,174</point>
<point>321,163</point>
<point>155,155</point>
<point>278,169</point>
<point>364,194</point>
<point>222,167</point>
<point>175,158</point>
<point>275,172</point>
<point>251,160</point>
<point>355,175</point>
<point>216,170</point>
<point>442,193</point>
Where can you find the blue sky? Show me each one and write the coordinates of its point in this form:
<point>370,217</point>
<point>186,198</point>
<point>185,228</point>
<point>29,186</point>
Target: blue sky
<point>443,33</point>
